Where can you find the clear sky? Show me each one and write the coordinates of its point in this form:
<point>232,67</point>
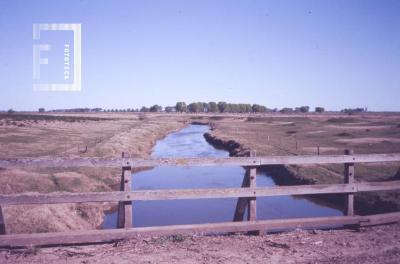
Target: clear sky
<point>334,54</point>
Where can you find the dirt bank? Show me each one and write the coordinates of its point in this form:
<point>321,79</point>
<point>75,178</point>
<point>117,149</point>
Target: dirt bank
<point>72,135</point>
<point>234,148</point>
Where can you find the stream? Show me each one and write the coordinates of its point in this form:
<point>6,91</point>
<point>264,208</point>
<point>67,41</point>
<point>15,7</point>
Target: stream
<point>189,142</point>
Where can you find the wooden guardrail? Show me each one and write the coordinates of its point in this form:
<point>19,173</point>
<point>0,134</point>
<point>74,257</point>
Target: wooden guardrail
<point>63,162</point>
<point>246,197</point>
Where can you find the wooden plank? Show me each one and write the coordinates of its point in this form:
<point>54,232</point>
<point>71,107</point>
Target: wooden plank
<point>380,219</point>
<point>242,202</point>
<point>252,206</point>
<point>128,204</point>
<point>121,204</point>
<point>2,223</point>
<point>204,161</point>
<point>329,159</point>
<point>148,195</point>
<point>124,217</point>
<point>121,215</point>
<point>349,179</point>
<point>117,162</point>
<point>377,186</point>
<point>252,202</point>
<point>23,240</point>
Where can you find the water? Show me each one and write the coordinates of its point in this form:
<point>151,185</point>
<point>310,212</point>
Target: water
<point>189,142</point>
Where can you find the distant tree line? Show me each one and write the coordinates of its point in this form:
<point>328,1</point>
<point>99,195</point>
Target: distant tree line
<point>210,107</point>
<point>351,111</point>
<point>220,107</point>
<point>302,109</point>
<point>202,107</point>
<point>79,110</point>
<point>224,107</point>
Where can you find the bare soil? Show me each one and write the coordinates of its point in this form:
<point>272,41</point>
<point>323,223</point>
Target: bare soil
<point>380,244</point>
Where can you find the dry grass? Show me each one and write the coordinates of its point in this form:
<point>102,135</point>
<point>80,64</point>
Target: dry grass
<point>106,134</point>
<point>98,135</point>
<point>292,135</point>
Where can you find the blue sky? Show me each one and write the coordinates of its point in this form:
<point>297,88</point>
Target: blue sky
<point>334,54</point>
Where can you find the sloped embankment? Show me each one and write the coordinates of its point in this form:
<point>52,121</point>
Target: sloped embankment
<point>287,176</point>
<point>365,203</point>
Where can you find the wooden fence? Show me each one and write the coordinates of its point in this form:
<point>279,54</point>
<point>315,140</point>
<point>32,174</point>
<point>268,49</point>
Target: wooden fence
<point>246,197</point>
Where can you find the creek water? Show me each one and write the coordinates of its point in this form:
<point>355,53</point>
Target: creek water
<point>189,142</point>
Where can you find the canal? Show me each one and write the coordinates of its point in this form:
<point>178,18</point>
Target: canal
<point>189,142</point>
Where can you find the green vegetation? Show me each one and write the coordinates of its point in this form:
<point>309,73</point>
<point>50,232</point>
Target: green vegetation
<point>156,108</point>
<point>220,107</point>
<point>352,111</point>
<point>181,107</point>
<point>210,107</point>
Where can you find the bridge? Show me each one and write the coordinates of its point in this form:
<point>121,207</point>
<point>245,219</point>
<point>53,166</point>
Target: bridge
<point>247,197</point>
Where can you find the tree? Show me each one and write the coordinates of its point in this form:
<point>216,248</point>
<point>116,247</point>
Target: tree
<point>170,109</point>
<point>244,108</point>
<point>351,111</point>
<point>193,108</point>
<point>10,111</point>
<point>212,107</point>
<point>259,108</point>
<point>304,109</point>
<point>144,109</point>
<point>155,108</point>
<point>222,107</point>
<point>319,109</point>
<point>181,107</point>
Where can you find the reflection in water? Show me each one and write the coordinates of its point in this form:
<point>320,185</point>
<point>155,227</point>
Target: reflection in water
<point>189,142</point>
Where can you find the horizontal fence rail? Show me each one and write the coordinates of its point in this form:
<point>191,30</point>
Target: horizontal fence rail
<point>177,194</point>
<point>246,196</point>
<point>90,236</point>
<point>232,161</point>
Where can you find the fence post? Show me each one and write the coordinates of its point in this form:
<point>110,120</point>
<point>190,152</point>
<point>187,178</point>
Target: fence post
<point>124,218</point>
<point>128,204</point>
<point>249,181</point>
<point>2,223</point>
<point>252,205</point>
<point>242,202</point>
<point>349,179</point>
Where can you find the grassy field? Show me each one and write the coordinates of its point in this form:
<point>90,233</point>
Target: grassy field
<point>110,134</point>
